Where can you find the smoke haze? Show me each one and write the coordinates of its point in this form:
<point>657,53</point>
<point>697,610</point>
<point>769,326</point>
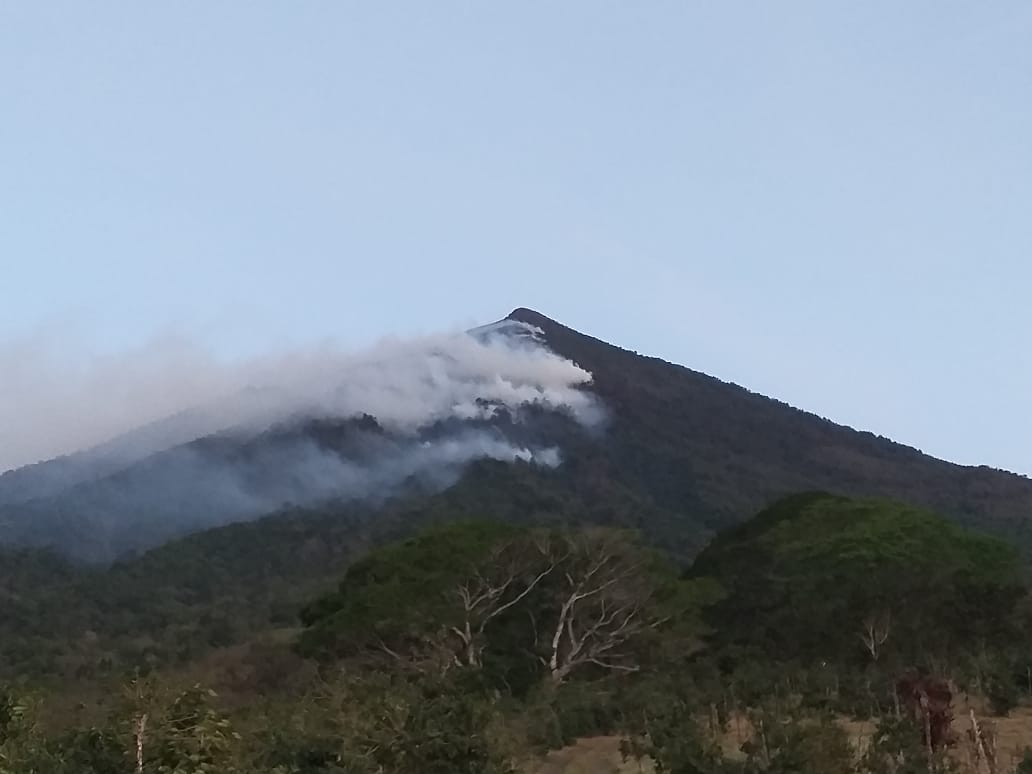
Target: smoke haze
<point>168,440</point>
<point>54,402</point>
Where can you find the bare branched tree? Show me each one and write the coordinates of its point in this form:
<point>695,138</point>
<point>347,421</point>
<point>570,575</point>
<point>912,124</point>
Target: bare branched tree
<point>510,573</point>
<point>139,729</point>
<point>875,632</point>
<point>603,596</point>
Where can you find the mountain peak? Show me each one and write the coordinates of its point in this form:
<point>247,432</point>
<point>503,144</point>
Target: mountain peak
<point>522,314</point>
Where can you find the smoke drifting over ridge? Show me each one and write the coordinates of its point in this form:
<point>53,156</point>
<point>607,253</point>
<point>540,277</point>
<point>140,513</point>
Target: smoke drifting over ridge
<point>197,444</point>
<point>172,392</point>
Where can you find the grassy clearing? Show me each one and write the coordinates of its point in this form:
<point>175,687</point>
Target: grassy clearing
<point>601,755</point>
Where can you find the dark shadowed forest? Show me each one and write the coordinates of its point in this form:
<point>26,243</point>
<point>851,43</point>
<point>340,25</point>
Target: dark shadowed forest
<point>480,645</point>
<point>677,592</point>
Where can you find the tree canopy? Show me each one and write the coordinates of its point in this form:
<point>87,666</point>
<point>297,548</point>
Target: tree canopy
<point>561,600</point>
<point>823,577</point>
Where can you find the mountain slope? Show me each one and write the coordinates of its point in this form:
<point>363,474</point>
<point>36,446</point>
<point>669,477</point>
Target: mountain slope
<point>722,452</point>
<point>440,404</point>
<point>680,456</point>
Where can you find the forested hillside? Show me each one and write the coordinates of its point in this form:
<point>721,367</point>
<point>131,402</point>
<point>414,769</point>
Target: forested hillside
<point>693,454</point>
<point>716,453</point>
<point>439,627</point>
<point>478,645</point>
<point>679,456</point>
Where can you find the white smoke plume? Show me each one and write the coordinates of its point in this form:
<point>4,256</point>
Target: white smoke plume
<point>168,440</point>
<point>53,403</point>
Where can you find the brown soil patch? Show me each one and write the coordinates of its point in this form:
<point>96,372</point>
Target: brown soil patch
<point>597,755</point>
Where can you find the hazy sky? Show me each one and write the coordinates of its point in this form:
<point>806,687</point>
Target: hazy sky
<point>829,202</point>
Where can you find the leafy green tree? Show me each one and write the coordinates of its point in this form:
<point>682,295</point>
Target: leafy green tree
<point>405,600</point>
<point>23,749</point>
<point>672,737</point>
<point>194,737</point>
<point>793,745</point>
<point>93,750</point>
<point>896,747</point>
<point>826,578</point>
<point>382,722</point>
<point>591,601</point>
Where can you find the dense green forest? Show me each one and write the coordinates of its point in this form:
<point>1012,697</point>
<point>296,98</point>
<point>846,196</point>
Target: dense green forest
<point>665,586</point>
<point>477,645</point>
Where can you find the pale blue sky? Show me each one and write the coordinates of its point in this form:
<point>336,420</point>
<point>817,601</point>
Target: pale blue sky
<point>829,202</point>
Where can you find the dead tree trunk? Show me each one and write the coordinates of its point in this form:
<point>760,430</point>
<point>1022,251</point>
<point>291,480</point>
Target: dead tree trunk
<point>139,729</point>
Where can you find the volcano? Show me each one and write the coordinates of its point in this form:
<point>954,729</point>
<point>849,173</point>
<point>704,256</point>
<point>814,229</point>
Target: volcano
<point>526,405</point>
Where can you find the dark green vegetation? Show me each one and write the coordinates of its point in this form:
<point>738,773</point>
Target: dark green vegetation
<point>339,638</point>
<point>473,646</point>
<point>891,577</point>
<point>711,454</point>
<point>223,586</point>
<point>682,456</point>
